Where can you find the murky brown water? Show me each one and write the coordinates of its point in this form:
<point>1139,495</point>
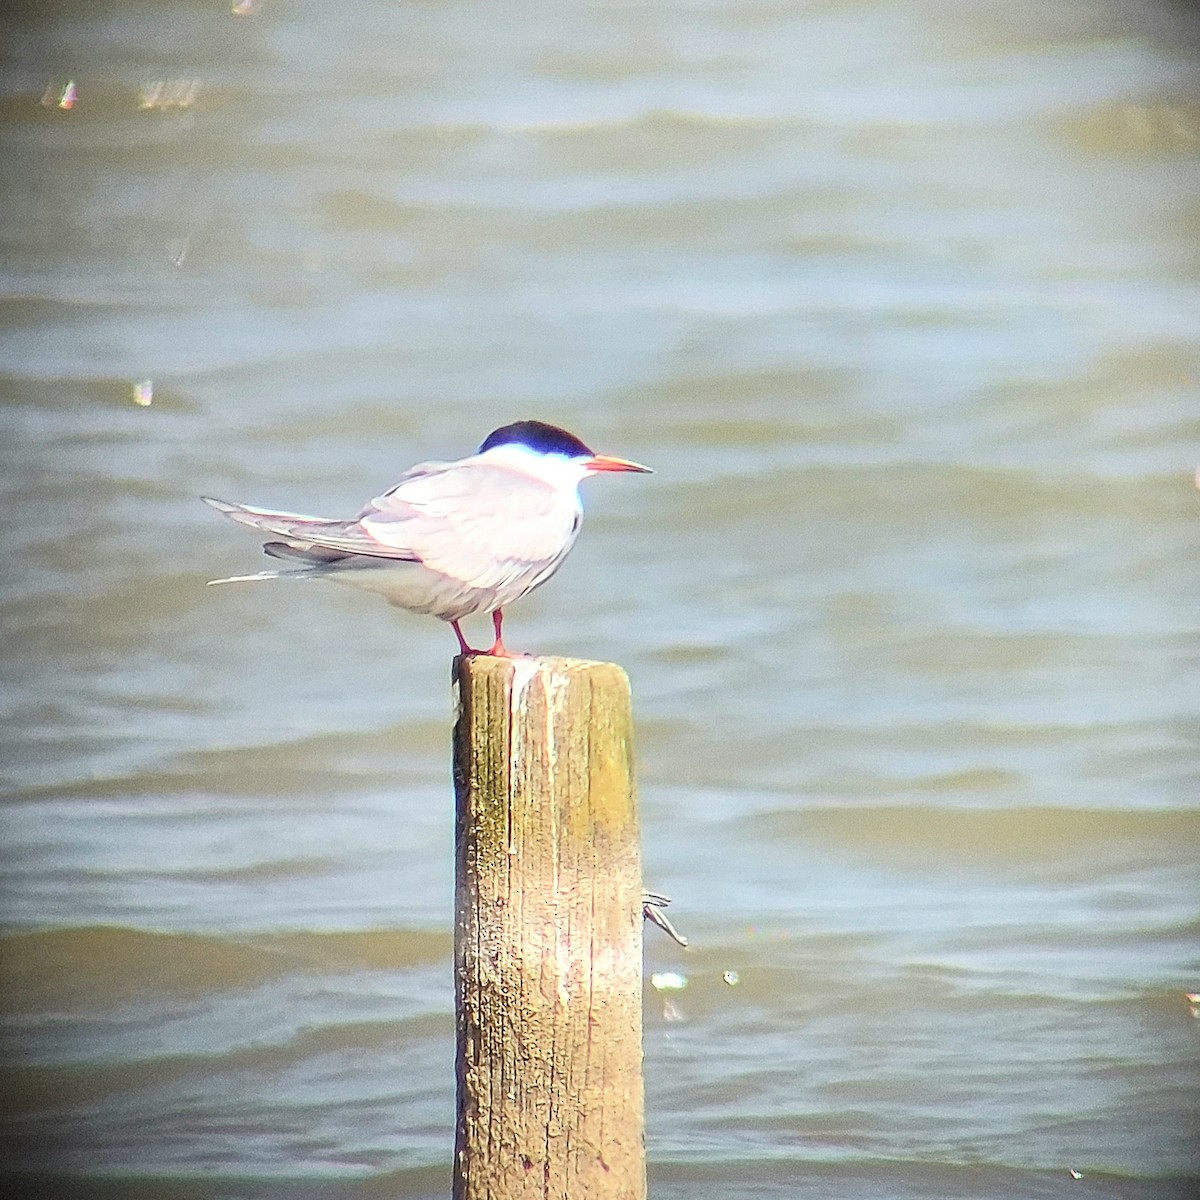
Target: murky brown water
<point>901,302</point>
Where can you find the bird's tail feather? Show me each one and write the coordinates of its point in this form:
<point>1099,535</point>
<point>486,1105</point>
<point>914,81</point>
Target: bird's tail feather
<point>260,575</point>
<point>270,520</point>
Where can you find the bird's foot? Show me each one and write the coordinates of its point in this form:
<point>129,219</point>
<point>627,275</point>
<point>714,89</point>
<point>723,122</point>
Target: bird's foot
<point>496,650</point>
<point>652,905</point>
<point>500,650</point>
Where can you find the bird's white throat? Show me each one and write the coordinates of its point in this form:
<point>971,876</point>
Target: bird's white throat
<point>554,469</point>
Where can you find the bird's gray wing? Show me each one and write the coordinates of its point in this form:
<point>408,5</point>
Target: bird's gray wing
<point>474,521</point>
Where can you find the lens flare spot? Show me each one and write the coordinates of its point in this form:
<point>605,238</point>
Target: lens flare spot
<point>668,981</point>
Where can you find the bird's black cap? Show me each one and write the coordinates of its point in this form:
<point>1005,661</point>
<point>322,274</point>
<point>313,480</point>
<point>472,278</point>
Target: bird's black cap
<point>537,435</point>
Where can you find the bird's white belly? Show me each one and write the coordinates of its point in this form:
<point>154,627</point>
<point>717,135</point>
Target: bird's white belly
<point>416,588</point>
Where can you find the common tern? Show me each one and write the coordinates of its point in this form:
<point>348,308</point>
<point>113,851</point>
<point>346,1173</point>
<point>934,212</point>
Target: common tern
<point>451,539</point>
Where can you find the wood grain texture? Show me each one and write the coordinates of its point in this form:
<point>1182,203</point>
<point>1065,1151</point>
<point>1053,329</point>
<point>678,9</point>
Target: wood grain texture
<point>548,933</point>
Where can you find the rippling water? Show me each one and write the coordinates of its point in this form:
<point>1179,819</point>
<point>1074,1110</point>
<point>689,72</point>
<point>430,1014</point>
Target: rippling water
<point>900,299</point>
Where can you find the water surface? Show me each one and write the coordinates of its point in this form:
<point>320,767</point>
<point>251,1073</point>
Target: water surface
<point>899,299</point>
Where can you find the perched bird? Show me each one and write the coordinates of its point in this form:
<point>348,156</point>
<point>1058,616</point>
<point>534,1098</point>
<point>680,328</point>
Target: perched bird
<point>451,538</point>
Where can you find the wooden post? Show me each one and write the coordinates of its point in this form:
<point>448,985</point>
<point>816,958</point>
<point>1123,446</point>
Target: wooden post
<point>548,933</point>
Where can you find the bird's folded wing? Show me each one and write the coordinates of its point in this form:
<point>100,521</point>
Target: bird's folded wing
<point>473,521</point>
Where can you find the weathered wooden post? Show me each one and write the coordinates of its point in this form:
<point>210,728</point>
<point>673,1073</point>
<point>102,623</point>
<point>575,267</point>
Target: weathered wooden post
<point>548,933</point>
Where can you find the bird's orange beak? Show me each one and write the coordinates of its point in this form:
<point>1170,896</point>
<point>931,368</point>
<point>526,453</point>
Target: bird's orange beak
<point>602,462</point>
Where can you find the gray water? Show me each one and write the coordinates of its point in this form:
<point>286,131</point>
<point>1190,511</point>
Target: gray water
<point>900,300</point>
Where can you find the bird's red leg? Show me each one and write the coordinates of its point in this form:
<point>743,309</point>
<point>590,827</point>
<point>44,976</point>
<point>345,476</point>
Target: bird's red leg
<point>499,649</point>
<point>462,641</point>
